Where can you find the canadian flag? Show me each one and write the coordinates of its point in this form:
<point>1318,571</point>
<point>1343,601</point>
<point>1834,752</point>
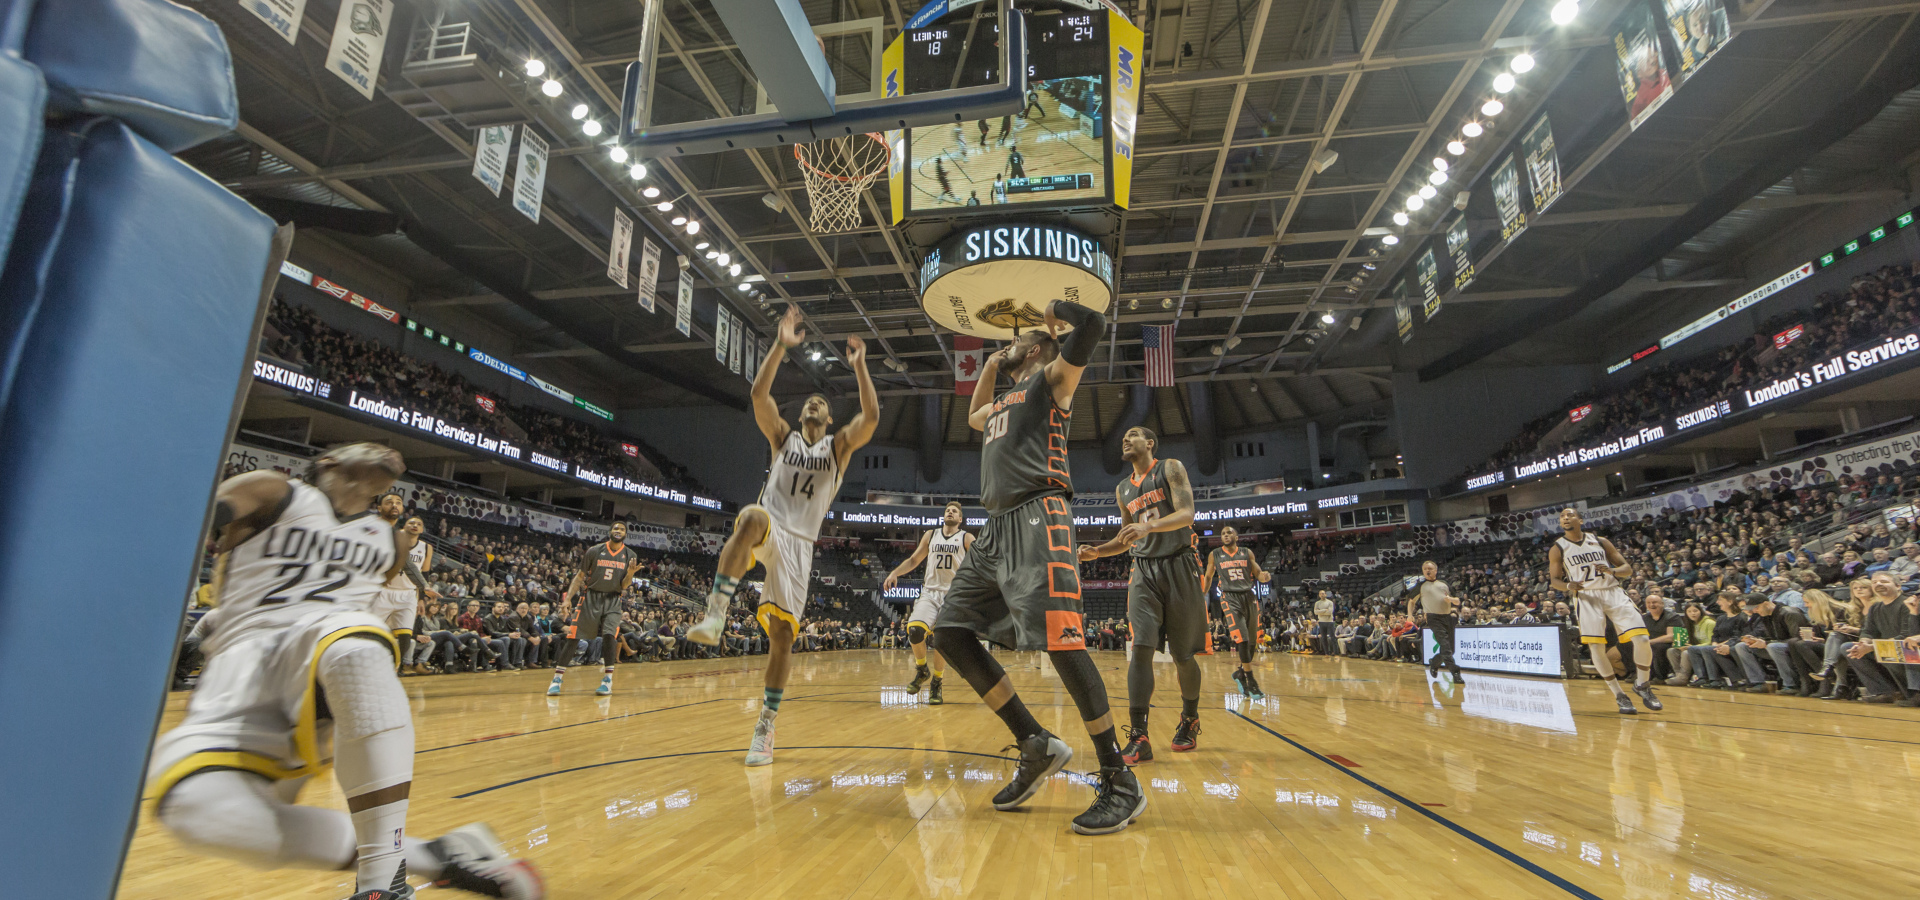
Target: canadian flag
<point>968,358</point>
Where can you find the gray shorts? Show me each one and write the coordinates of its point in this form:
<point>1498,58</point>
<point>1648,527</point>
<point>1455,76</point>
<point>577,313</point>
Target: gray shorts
<point>1019,586</point>
<point>1242,610</point>
<point>1164,604</point>
<point>598,614</point>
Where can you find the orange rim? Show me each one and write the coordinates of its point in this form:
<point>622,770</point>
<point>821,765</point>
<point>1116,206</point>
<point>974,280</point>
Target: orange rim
<point>815,170</point>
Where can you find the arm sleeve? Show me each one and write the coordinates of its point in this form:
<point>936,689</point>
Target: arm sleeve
<point>413,575</point>
<point>1089,328</point>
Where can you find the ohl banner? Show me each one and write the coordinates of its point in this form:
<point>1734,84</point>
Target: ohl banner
<point>359,41</point>
<point>1543,164</point>
<point>283,16</point>
<point>1459,247</point>
<point>892,62</point>
<point>1506,197</point>
<point>1402,313</point>
<point>1123,43</point>
<point>1428,272</point>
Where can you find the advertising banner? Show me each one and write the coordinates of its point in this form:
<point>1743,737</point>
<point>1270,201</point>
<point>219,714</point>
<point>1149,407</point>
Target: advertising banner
<point>1543,164</point>
<point>618,249</point>
<point>1460,248</point>
<point>1428,273</point>
<point>359,41</point>
<point>1641,67</point>
<point>1521,649</point>
<point>1506,197</point>
<point>530,179</point>
<point>490,148</point>
<point>283,16</point>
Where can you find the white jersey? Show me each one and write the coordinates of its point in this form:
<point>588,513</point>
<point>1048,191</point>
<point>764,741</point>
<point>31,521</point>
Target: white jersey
<point>943,557</point>
<point>801,485</point>
<point>1586,562</point>
<point>305,559</point>
<point>400,581</point>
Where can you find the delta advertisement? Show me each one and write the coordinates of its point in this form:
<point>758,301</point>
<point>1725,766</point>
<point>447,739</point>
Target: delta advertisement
<point>1881,357</point>
<point>478,440</point>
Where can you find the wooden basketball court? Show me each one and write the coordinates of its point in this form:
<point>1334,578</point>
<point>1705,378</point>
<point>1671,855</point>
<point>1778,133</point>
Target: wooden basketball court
<point>1353,779</point>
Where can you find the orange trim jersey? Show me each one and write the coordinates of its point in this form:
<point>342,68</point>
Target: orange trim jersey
<point>1023,453</point>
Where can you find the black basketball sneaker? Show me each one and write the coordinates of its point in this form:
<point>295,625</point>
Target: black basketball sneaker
<point>934,696</point>
<point>1119,801</point>
<point>1040,756</point>
<point>1186,735</point>
<point>1137,749</point>
<point>920,676</point>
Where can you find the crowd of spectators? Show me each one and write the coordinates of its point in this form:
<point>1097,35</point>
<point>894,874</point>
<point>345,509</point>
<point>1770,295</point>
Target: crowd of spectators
<point>1876,303</point>
<point>348,362</point>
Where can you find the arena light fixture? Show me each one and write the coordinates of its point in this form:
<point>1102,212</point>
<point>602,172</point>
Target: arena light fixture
<point>734,269</point>
<point>1327,318</point>
<point>618,153</point>
<point>1415,201</point>
<point>1456,147</point>
<point>1390,240</point>
<point>639,171</point>
<point>650,191</point>
<point>1427,192</point>
<point>536,68</point>
<point>1471,129</point>
<point>550,88</point>
<point>1400,218</point>
<point>713,254</point>
<point>725,258</point>
<point>1438,177</point>
<point>580,110</point>
<point>693,226</point>
<point>679,220</point>
<point>1565,11</point>
<point>1522,64</point>
<point>1492,107</point>
<point>745,287</point>
<point>1440,163</point>
<point>1503,82</point>
<point>664,206</point>
<point>591,127</point>
<point>702,245</point>
<point>815,356</point>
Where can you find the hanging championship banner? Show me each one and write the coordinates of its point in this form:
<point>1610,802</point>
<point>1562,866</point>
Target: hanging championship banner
<point>283,16</point>
<point>1459,250</point>
<point>1644,82</point>
<point>618,250</point>
<point>1506,197</point>
<point>490,149</point>
<point>1428,271</point>
<point>738,348</point>
<point>1543,164</point>
<point>359,40</point>
<point>650,276</point>
<point>722,329</point>
<point>1699,29</point>
<point>1402,312</point>
<point>683,304</point>
<point>530,179</point>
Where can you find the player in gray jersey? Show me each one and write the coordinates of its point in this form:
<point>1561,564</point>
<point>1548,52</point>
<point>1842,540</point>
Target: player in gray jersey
<point>1234,569</point>
<point>1435,600</point>
<point>294,654</point>
<point>1166,608</point>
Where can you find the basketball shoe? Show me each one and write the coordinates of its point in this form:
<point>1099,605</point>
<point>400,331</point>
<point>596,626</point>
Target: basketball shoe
<point>760,752</point>
<point>708,631</point>
<point>1138,749</point>
<point>920,676</point>
<point>934,696</point>
<point>1119,801</point>
<point>1040,756</point>
<point>472,860</point>
<point>1186,735</point>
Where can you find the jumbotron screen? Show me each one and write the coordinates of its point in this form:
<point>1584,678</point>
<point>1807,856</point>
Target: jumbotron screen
<point>1053,152</point>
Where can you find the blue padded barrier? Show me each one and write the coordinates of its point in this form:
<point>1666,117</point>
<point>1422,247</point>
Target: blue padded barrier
<point>135,285</point>
<point>159,67</point>
<point>23,97</point>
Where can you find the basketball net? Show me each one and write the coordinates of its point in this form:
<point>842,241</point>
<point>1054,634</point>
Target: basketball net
<point>838,172</point>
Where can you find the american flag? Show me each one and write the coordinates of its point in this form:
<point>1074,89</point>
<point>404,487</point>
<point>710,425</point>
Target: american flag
<point>1158,339</point>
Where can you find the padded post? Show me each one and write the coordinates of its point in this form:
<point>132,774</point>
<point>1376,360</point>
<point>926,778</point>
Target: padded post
<point>23,99</point>
<point>132,296</point>
<point>159,67</point>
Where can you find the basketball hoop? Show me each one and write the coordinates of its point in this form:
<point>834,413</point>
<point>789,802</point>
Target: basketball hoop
<point>838,171</point>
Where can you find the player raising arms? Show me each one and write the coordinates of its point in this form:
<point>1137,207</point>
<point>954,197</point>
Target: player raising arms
<point>1589,569</point>
<point>1165,604</point>
<point>780,530</point>
<point>291,635</point>
<point>943,548</point>
<point>1020,585</point>
<point>1234,569</point>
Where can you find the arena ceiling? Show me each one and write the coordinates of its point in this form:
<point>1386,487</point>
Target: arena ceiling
<point>1233,229</point>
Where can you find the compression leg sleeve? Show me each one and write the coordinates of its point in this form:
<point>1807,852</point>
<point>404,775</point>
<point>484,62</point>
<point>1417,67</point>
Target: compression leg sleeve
<point>373,755</point>
<point>984,673</point>
<point>1082,680</point>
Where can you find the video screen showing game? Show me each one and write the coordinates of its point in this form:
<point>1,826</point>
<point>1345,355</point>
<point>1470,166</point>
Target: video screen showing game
<point>1053,151</point>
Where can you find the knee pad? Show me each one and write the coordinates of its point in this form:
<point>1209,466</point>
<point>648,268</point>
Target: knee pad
<point>362,689</point>
<point>918,633</point>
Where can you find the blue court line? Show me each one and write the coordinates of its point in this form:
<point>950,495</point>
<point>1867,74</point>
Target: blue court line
<point>617,762</point>
<point>1457,828</point>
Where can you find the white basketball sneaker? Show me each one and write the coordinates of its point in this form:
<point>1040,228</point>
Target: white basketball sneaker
<point>708,631</point>
<point>760,753</point>
<point>473,861</point>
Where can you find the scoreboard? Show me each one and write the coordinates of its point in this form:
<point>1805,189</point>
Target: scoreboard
<point>1060,150</point>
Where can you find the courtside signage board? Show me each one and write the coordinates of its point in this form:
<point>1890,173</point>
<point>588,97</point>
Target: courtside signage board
<point>1869,359</point>
<point>969,282</point>
<point>1519,649</point>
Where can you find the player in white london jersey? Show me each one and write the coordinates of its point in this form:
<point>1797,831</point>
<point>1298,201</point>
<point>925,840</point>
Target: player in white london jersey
<point>943,549</point>
<point>808,463</point>
<point>1589,569</point>
<point>293,633</point>
<point>398,600</point>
